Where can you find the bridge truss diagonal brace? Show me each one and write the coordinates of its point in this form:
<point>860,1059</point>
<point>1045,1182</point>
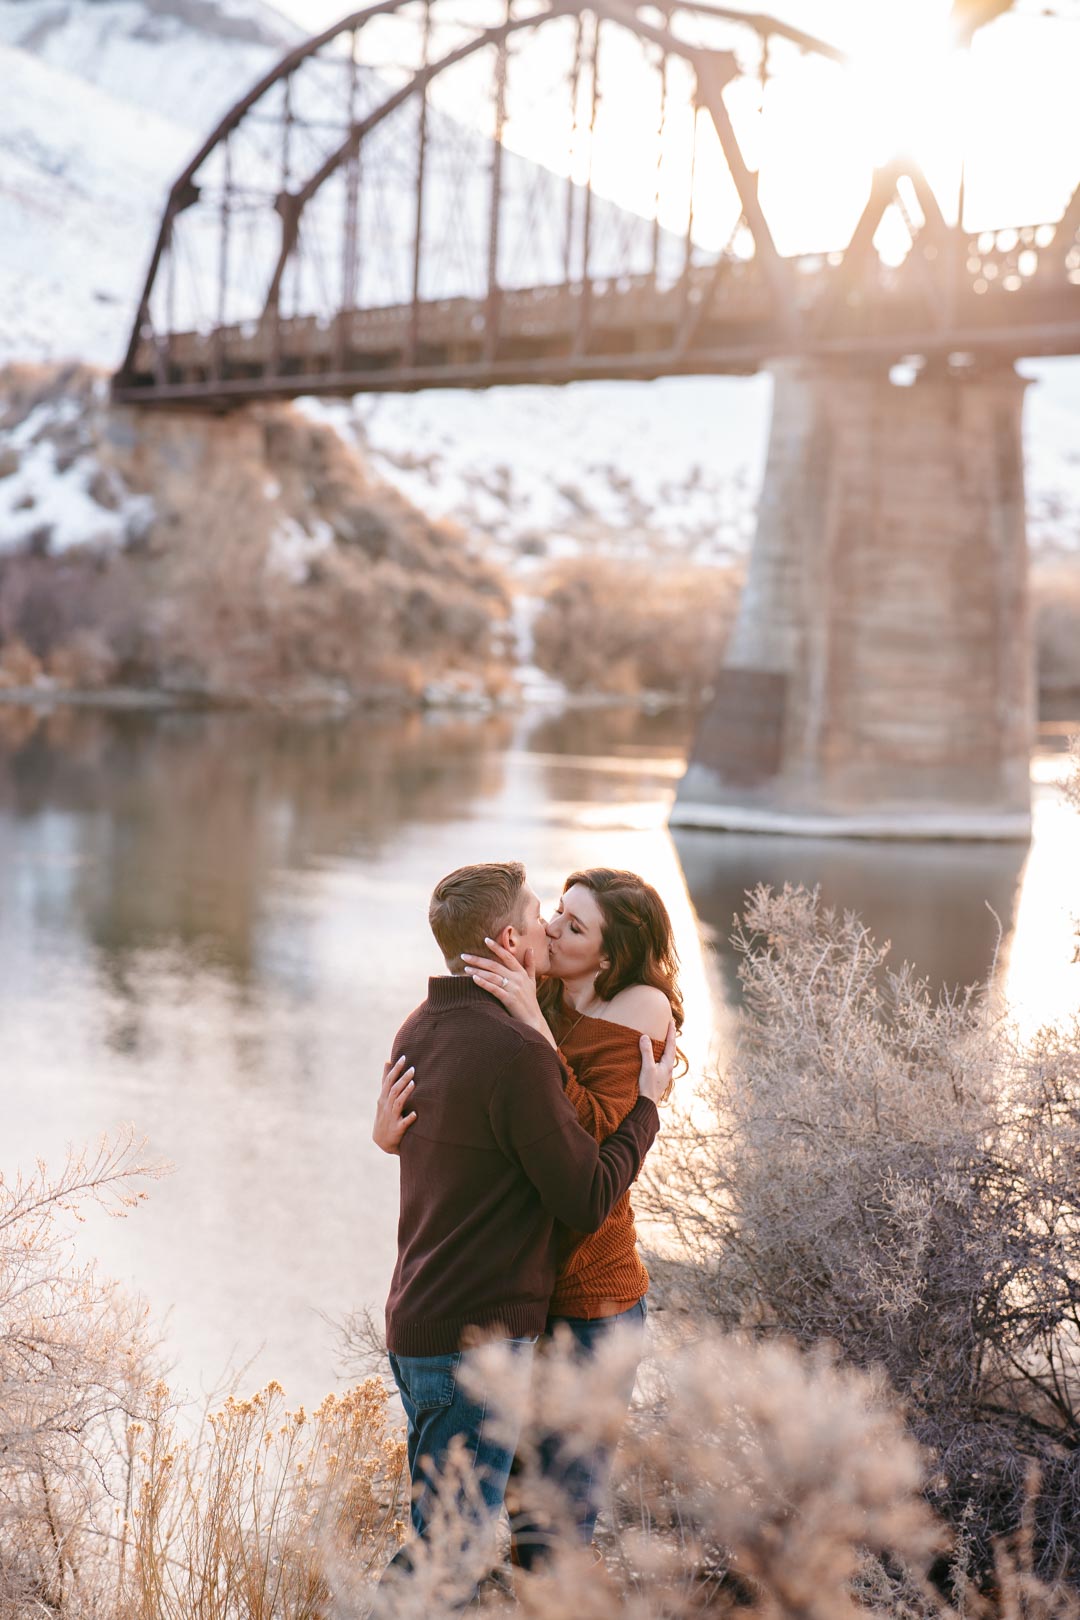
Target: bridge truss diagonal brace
<point>291,207</point>
<point>185,191</point>
<point>714,70</point>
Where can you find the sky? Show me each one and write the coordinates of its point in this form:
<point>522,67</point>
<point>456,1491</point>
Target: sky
<point>1003,114</point>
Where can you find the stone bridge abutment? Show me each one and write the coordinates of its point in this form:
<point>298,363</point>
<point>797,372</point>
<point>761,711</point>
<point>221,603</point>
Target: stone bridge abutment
<point>879,679</point>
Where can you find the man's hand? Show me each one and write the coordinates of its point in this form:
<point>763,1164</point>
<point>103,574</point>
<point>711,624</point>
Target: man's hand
<point>390,1123</point>
<point>655,1077</point>
<point>511,982</point>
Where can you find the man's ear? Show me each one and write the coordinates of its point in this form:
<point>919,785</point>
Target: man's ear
<point>507,937</point>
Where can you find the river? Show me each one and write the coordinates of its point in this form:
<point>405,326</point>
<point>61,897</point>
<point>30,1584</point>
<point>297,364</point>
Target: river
<point>211,926</point>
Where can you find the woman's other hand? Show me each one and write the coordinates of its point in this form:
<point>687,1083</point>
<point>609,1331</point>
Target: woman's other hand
<point>654,1080</point>
<point>391,1121</point>
<point>511,982</point>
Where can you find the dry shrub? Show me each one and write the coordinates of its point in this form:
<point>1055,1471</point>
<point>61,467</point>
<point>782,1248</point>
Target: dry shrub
<point>18,665</point>
<point>1055,604</point>
<point>372,628</point>
<point>607,625</point>
<point>81,615</point>
<point>898,1176</point>
<point>1072,786</point>
<point>75,1363</point>
<point>754,1476</point>
<point>263,562</point>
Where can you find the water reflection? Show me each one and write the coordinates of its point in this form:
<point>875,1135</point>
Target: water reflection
<point>167,826</point>
<point>942,906</point>
<point>213,924</point>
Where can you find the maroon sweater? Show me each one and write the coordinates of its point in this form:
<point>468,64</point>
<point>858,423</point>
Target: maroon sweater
<point>495,1158</point>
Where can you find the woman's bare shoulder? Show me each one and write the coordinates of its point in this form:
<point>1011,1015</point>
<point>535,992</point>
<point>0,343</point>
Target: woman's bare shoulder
<point>642,1007</point>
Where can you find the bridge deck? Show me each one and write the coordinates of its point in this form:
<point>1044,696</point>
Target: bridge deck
<point>719,319</point>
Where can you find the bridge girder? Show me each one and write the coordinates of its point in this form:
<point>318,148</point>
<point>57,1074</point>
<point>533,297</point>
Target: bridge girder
<point>730,313</point>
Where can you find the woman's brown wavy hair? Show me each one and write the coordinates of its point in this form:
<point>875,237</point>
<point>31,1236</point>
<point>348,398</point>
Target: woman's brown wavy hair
<point>637,939</point>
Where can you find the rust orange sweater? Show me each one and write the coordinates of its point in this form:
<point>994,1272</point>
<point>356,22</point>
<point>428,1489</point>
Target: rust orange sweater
<point>601,1274</point>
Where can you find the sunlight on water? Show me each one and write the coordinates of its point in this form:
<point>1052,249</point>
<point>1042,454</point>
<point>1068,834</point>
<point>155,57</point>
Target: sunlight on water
<point>1041,976</point>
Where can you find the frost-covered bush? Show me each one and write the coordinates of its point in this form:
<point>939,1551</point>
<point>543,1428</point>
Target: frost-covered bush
<point>750,1476</point>
<point>900,1177</point>
<point>76,1363</point>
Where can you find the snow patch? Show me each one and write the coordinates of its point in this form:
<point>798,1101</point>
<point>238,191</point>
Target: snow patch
<point>53,497</point>
<point>84,180</point>
<point>293,548</point>
<point>190,62</point>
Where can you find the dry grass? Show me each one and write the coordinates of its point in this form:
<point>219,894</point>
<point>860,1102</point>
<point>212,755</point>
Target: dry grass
<point>108,1509</point>
<point>266,1513</point>
<point>752,1476</point>
<point>617,627</point>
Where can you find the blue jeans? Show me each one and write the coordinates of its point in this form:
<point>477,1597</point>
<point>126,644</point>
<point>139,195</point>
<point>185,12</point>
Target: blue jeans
<point>581,1478</point>
<point>438,1411</point>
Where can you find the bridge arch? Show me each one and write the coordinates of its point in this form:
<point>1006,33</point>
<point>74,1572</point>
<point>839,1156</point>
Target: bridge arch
<point>215,173</point>
<point>352,224</point>
<point>713,70</point>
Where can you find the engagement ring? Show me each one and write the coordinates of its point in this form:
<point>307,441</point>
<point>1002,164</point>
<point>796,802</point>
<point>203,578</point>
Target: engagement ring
<point>506,981</point>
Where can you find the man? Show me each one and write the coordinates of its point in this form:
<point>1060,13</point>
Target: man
<point>497,1157</point>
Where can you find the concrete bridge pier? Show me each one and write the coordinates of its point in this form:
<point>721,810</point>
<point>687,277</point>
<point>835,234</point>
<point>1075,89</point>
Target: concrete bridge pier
<point>879,681</point>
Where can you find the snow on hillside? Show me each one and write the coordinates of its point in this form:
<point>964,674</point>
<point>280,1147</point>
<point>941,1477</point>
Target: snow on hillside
<point>639,468</point>
<point>54,491</point>
<point>82,180</point>
<point>187,60</point>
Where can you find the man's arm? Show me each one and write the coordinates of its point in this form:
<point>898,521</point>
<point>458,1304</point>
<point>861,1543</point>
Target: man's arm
<point>579,1180</point>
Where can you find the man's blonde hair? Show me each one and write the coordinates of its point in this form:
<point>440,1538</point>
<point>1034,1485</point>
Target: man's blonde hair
<point>474,902</point>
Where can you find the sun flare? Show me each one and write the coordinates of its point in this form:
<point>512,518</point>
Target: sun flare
<point>905,74</point>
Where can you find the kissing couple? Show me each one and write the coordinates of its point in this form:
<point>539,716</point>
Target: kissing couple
<point>521,1098</point>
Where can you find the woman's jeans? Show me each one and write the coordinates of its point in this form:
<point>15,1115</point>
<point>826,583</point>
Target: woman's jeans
<point>581,1478</point>
<point>439,1411</point>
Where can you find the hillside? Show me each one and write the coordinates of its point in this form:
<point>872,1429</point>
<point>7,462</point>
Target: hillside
<point>185,60</point>
<point>105,100</point>
<point>249,560</point>
<point>81,182</point>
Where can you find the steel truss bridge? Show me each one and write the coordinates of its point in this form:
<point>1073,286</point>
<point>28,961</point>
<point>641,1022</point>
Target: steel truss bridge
<point>461,193</point>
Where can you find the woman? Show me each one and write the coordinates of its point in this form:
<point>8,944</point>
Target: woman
<point>612,979</point>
